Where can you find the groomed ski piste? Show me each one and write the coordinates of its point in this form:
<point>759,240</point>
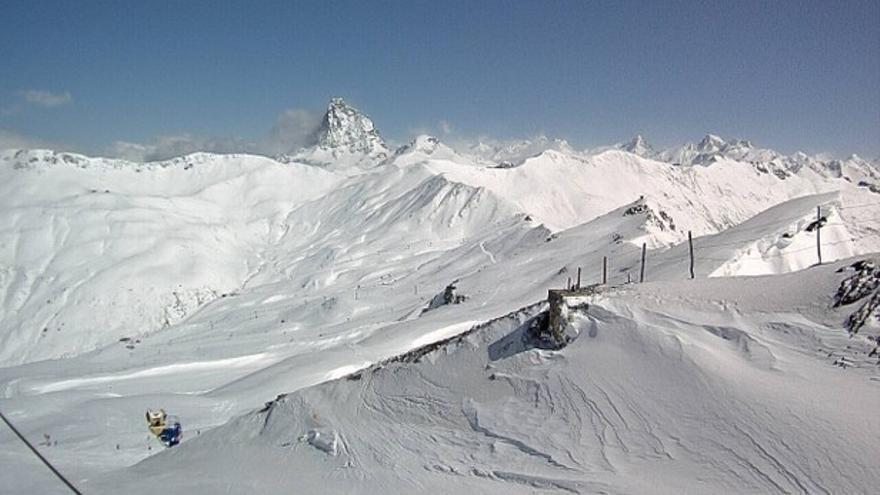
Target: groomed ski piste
<point>292,313</point>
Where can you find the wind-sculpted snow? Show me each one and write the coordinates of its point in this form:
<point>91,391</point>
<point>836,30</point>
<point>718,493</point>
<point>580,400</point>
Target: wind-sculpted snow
<point>664,393</point>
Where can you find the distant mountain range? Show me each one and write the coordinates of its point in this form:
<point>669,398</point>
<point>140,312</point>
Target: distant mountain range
<point>208,284</point>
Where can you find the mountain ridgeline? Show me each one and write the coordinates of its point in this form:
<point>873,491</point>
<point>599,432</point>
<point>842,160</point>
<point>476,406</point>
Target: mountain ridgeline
<point>392,295</point>
<point>122,248</point>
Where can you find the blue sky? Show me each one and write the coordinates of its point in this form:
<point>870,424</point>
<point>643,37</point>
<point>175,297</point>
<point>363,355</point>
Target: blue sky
<point>789,75</point>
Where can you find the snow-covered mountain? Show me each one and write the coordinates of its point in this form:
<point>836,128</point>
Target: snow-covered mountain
<point>210,284</point>
<point>511,154</point>
<point>712,149</point>
<point>638,146</point>
<point>346,138</point>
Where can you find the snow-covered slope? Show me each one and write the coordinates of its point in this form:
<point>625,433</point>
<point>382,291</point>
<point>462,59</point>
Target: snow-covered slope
<point>93,250</point>
<point>563,190</point>
<point>209,284</point>
<point>720,386</point>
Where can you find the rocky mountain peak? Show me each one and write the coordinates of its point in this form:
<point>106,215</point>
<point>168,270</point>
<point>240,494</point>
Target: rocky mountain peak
<point>711,143</point>
<point>347,129</point>
<point>638,146</point>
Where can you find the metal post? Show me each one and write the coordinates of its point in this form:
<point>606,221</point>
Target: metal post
<point>819,233</point>
<point>578,286</point>
<point>604,270</point>
<point>642,270</point>
<point>691,251</point>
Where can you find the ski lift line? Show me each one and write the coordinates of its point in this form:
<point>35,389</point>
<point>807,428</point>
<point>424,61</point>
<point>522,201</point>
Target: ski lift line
<point>803,216</point>
<point>760,227</point>
<point>773,222</point>
<point>637,249</point>
<point>39,456</point>
<point>739,243</point>
<point>777,255</point>
<point>863,205</point>
<point>725,244</point>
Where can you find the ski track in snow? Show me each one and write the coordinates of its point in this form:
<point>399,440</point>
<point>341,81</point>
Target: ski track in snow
<point>252,361</point>
<point>487,253</point>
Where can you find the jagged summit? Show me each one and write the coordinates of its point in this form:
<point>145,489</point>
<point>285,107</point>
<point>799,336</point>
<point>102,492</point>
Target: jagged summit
<point>711,142</point>
<point>346,138</point>
<point>346,128</point>
<point>639,146</point>
<point>713,148</point>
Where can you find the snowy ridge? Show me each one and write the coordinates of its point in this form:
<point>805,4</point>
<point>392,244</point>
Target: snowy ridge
<point>712,149</point>
<point>561,190</point>
<point>508,155</point>
<point>210,284</point>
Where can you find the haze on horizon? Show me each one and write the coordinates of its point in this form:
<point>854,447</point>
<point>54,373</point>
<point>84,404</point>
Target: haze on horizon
<point>172,77</point>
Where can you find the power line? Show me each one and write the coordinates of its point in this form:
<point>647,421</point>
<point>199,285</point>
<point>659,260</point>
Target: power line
<point>745,227</point>
<point>781,254</point>
<point>40,456</point>
<point>863,205</point>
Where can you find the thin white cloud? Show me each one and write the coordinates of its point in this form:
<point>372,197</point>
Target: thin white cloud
<point>47,99</point>
<point>445,127</point>
<point>170,146</point>
<point>294,128</point>
<point>10,139</point>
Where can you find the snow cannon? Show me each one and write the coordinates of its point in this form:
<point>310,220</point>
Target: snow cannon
<point>166,428</point>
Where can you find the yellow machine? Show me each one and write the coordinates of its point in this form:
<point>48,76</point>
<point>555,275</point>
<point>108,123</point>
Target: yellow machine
<point>166,428</point>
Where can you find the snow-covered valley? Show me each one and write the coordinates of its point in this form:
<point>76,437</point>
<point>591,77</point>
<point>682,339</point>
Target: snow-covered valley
<point>209,285</point>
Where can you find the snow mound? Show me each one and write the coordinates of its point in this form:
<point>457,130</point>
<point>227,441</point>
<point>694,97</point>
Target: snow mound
<point>326,441</point>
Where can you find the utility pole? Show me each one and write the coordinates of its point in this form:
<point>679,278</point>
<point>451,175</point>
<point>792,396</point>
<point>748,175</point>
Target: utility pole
<point>691,251</point>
